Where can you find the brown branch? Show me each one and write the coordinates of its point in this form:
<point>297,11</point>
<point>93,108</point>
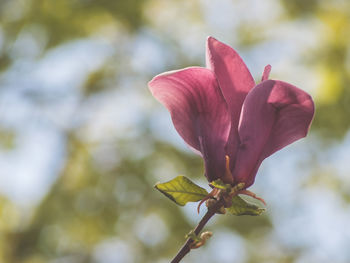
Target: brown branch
<point>186,247</point>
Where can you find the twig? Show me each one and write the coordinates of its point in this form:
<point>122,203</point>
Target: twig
<point>186,247</point>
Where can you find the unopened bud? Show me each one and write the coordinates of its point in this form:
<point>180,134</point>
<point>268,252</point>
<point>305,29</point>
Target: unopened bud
<point>210,202</point>
<point>206,235</point>
<point>221,211</point>
<point>201,240</point>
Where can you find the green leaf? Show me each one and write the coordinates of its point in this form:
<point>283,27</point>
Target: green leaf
<point>193,236</point>
<point>220,185</point>
<point>241,207</point>
<point>182,190</point>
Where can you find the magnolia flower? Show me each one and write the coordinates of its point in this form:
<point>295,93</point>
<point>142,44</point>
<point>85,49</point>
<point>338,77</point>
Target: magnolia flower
<point>233,123</point>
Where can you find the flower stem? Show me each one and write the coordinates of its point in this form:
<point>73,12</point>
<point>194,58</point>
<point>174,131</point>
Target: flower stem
<point>186,247</point>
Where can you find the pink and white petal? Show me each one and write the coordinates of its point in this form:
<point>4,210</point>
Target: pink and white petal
<point>274,115</point>
<point>235,82</point>
<point>198,111</point>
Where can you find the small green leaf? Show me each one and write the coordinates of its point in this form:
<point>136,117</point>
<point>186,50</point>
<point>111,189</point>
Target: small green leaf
<point>220,185</point>
<point>182,190</point>
<point>241,207</point>
<point>193,236</point>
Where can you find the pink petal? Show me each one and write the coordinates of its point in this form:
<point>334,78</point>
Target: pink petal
<point>274,115</point>
<point>235,82</point>
<point>199,113</point>
<point>266,73</point>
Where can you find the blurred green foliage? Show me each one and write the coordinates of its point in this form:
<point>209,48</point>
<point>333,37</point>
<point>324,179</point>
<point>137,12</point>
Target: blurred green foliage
<point>89,204</point>
<point>298,8</point>
<point>67,19</point>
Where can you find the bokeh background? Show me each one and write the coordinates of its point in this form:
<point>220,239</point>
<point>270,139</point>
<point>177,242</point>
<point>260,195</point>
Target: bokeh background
<point>82,141</point>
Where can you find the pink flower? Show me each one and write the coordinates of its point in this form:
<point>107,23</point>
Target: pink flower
<point>219,111</point>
